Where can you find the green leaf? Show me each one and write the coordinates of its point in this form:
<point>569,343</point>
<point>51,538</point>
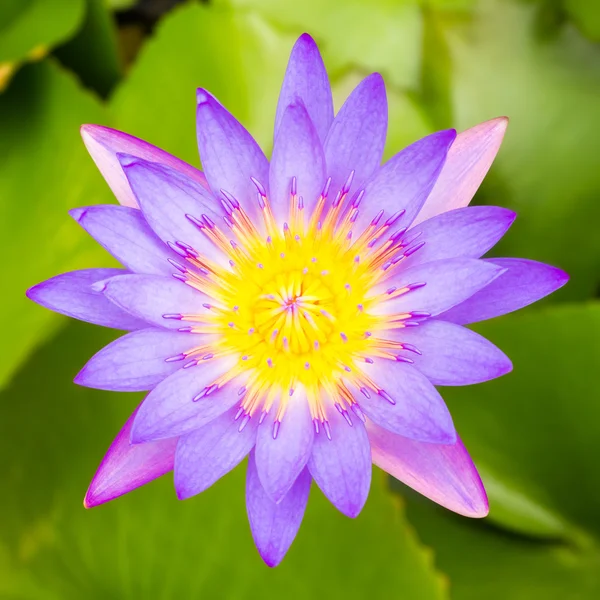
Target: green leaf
<point>121,4</point>
<point>45,170</point>
<point>383,34</point>
<point>30,28</point>
<point>148,544</point>
<point>535,434</point>
<point>547,169</point>
<point>93,53</point>
<point>483,562</point>
<point>586,16</point>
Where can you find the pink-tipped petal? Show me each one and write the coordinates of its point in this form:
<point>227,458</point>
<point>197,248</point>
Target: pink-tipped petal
<point>356,139</point>
<point>126,467</point>
<point>283,448</point>
<point>104,143</point>
<point>449,354</point>
<point>151,297</point>
<point>205,455</point>
<point>306,79</point>
<point>72,294</point>
<point>229,154</point>
<point>405,180</point>
<point>124,233</point>
<point>443,473</point>
<point>274,526</point>
<point>341,466</point>
<point>297,153</point>
<point>406,403</point>
<point>523,282</point>
<point>137,361</point>
<point>468,162</point>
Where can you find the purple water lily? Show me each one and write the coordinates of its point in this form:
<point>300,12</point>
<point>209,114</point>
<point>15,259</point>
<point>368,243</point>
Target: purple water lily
<point>298,311</point>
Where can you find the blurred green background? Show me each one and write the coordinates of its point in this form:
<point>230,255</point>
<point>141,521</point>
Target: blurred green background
<point>535,434</point>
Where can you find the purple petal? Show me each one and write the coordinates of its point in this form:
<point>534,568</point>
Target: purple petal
<point>205,455</point>
<point>468,162</point>
<point>447,283</point>
<point>229,154</point>
<point>443,473</point>
<point>405,181</point>
<point>124,233</point>
<point>306,79</point>
<point>174,407</point>
<point>104,143</point>
<point>464,232</point>
<point>274,526</point>
<point>408,404</point>
<point>137,361</point>
<point>282,450</point>
<point>126,467</point>
<point>166,197</point>
<point>523,282</point>
<point>357,136</point>
<point>298,153</point>
<point>451,354</point>
<point>150,297</point>
<point>71,294</point>
<point>341,466</point>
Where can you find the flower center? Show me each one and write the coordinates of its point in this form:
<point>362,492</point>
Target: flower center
<point>298,306</point>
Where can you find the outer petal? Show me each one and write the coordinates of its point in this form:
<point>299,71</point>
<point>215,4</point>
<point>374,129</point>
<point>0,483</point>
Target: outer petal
<point>297,153</point>
<point>450,354</point>
<point>444,473</point>
<point>406,403</point>
<point>171,410</point>
<point>405,181</point>
<point>468,162</point>
<point>126,467</point>
<point>523,282</point>
<point>306,79</point>
<point>124,233</point>
<point>229,154</point>
<point>274,526</point>
<point>103,143</point>
<point>282,453</point>
<point>356,139</point>
<point>205,455</point>
<point>71,294</point>
<point>166,197</point>
<point>341,466</point>
<point>137,361</point>
<point>149,297</point>
<point>447,283</point>
<point>464,232</point>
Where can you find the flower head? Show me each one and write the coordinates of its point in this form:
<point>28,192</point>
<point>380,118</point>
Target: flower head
<point>299,311</point>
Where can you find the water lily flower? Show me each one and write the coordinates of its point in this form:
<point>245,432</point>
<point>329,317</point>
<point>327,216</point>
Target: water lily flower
<point>298,311</point>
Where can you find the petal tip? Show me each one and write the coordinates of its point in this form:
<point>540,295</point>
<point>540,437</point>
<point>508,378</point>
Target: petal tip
<point>271,560</point>
<point>88,131</point>
<point>306,40</point>
<point>202,96</point>
<point>78,213</point>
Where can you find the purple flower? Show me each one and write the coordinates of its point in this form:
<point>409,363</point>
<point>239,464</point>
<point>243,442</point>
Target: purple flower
<point>299,311</point>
